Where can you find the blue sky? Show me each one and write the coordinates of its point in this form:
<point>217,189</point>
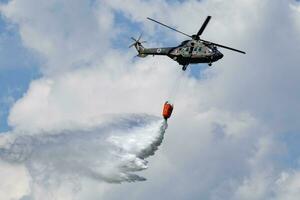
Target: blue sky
<point>18,67</point>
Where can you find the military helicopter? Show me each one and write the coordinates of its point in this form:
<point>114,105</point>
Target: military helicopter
<point>193,51</point>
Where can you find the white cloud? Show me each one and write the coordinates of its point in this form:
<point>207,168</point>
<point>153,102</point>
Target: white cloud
<point>82,95</point>
<point>15,181</point>
<point>295,9</point>
<point>288,186</point>
<point>63,38</point>
<point>220,141</point>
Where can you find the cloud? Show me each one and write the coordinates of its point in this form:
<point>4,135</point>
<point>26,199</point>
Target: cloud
<point>62,37</point>
<point>226,128</point>
<point>46,105</point>
<point>295,9</point>
<point>16,182</point>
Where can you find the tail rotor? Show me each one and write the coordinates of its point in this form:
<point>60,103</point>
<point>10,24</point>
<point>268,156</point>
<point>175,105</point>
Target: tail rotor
<point>137,43</point>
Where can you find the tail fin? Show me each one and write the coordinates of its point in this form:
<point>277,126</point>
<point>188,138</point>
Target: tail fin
<point>138,46</point>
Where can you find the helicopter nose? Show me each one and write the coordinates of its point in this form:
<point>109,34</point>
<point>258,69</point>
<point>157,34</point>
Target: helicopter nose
<point>220,55</point>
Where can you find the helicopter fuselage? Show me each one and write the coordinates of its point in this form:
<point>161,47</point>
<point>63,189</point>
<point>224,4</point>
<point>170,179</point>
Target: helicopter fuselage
<point>193,51</point>
<point>188,52</point>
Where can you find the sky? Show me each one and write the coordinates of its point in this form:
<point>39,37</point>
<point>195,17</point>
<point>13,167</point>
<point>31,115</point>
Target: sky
<point>65,67</point>
<point>18,67</point>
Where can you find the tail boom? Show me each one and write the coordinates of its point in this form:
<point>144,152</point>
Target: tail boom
<point>153,51</point>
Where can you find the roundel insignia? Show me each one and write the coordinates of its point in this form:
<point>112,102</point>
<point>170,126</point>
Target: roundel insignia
<point>158,50</point>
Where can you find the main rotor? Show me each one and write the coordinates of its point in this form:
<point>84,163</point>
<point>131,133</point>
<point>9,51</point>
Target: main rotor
<point>199,33</point>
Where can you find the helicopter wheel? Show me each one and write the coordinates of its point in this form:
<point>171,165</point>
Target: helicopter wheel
<point>184,67</point>
<point>209,64</point>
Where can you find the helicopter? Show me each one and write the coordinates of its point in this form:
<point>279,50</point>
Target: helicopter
<point>192,51</point>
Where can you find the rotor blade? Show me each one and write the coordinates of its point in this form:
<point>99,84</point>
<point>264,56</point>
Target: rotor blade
<point>225,47</point>
<point>168,27</point>
<point>140,37</point>
<point>133,39</point>
<point>203,26</point>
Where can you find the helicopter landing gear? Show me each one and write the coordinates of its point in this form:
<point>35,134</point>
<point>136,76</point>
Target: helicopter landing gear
<point>184,67</point>
<point>209,64</point>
